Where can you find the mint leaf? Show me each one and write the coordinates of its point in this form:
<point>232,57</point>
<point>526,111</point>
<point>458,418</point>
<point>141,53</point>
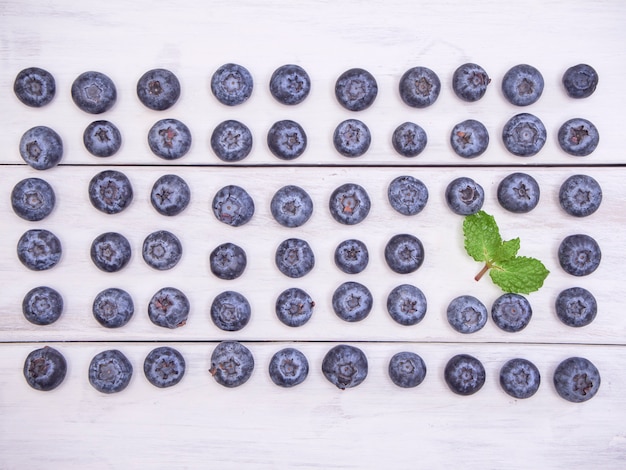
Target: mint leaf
<point>482,236</point>
<point>521,275</point>
<point>508,249</point>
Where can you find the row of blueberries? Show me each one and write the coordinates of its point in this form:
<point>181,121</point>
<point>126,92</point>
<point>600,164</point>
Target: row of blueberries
<point>576,379</point>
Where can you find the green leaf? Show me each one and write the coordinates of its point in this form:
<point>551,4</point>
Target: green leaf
<point>521,275</point>
<point>507,250</point>
<point>482,237</point>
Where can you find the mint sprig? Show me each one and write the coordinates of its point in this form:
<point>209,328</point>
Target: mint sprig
<point>512,273</point>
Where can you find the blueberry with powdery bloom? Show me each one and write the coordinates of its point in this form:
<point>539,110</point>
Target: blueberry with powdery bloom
<point>34,87</point>
<point>232,84</point>
<point>290,84</point>
<point>41,147</point>
<point>94,92</point>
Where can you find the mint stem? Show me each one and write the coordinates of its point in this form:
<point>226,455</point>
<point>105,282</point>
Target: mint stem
<point>482,272</point>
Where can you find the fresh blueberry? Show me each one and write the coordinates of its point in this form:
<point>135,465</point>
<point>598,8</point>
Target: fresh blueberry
<point>110,252</point>
<point>406,369</point>
<point>407,195</point>
<point>406,305</point>
<point>291,206</point>
<point>231,141</point>
<point>524,135</point>
<point>162,250</point>
<point>233,206</point>
<point>294,307</point>
<point>349,204</point>
<point>469,139</point>
<point>352,301</point>
<point>169,139</point>
<point>464,374</point>
<point>113,307</point>
<point>466,314</point>
<point>164,367</point>
<point>351,256</point>
<point>290,84</point>
<point>522,85</point>
<point>110,191</point>
<point>45,369</point>
<point>39,249</point>
<point>409,139</point>
<point>294,258</point>
<point>42,305</point>
<point>578,137</point>
<point>404,253</point>
<point>286,140</point>
<point>576,307</point>
<point>169,308</point>
<point>102,138</point>
<point>518,193</point>
<point>356,89</point>
<point>465,196</point>
<point>511,312</point>
<point>33,199</point>
<point>232,84</point>
<point>94,92</point>
<point>576,379</point>
<point>419,87</point>
<point>579,255</point>
<point>231,364</point>
<point>352,138</point>
<point>41,148</point>
<point>158,89</point>
<point>288,367</point>
<point>34,87</point>
<point>170,195</point>
<point>580,195</point>
<point>580,81</point>
<point>228,261</point>
<point>230,311</point>
<point>110,371</point>
<point>470,82</point>
<point>345,366</point>
<point>520,378</point>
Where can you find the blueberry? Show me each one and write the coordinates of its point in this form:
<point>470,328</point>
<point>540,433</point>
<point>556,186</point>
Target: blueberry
<point>470,82</point>
<point>39,249</point>
<point>409,139</point>
<point>576,379</point>
<point>231,141</point>
<point>511,312</point>
<point>41,148</point>
<point>294,307</point>
<point>42,305</point>
<point>518,193</point>
<point>469,139</point>
<point>230,311</point>
<point>406,369</point>
<point>110,191</point>
<point>580,81</point>
<point>286,140</point>
<point>419,87</point>
<point>162,250</point>
<point>464,196</point>
<point>524,135</point>
<point>345,366</point>
<point>352,301</point>
<point>102,139</point>
<point>404,253</point>
<point>352,138</point>
<point>158,89</point>
<point>164,367</point>
<point>356,89</point>
<point>169,308</point>
<point>113,307</point>
<point>464,374</point>
<point>576,307</point>
<point>291,206</point>
<point>33,199</point>
<point>232,84</point>
<point>520,378</point>
<point>110,252</point>
<point>110,371</point>
<point>169,139</point>
<point>170,195</point>
<point>580,195</point>
<point>579,255</point>
<point>351,256</point>
<point>406,305</point>
<point>231,364</point>
<point>94,92</point>
<point>45,369</point>
<point>233,206</point>
<point>288,367</point>
<point>290,84</point>
<point>228,261</point>
<point>34,87</point>
<point>466,314</point>
<point>578,137</point>
<point>349,204</point>
<point>294,258</point>
<point>407,195</point>
<point>522,85</point>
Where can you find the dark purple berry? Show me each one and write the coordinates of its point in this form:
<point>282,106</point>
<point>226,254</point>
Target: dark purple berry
<point>110,191</point>
<point>469,139</point>
<point>113,308</point>
<point>233,206</point>
<point>162,250</point>
<point>286,140</point>
<point>407,195</point>
<point>294,307</point>
<point>352,301</point>
<point>464,196</point>
<point>352,138</point>
<point>169,308</point>
<point>45,369</point>
<point>94,92</point>
<point>230,311</point>
<point>231,141</point>
<point>228,261</point>
<point>466,314</point>
<point>232,364</point>
<point>345,366</point>
<point>294,258</point>
<point>33,199</point>
<point>404,253</point>
<point>522,85</point>
<point>406,369</point>
<point>406,305</point>
<point>34,87</point>
<point>232,84</point>
<point>576,379</point>
<point>164,367</point>
<point>39,249</point>
<point>110,252</point>
<point>356,89</point>
<point>41,147</point>
<point>169,139</point>
<point>102,139</point>
<point>520,378</point>
<point>288,367</point>
<point>578,137</point>
<point>349,204</point>
<point>42,305</point>
<point>158,89</point>
<point>291,206</point>
<point>170,195</point>
<point>576,307</point>
<point>518,193</point>
<point>419,87</point>
<point>524,135</point>
<point>110,371</point>
<point>409,139</point>
<point>464,374</point>
<point>579,255</point>
<point>290,84</point>
<point>470,82</point>
<point>511,312</point>
<point>580,195</point>
<point>580,81</point>
<point>351,256</point>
